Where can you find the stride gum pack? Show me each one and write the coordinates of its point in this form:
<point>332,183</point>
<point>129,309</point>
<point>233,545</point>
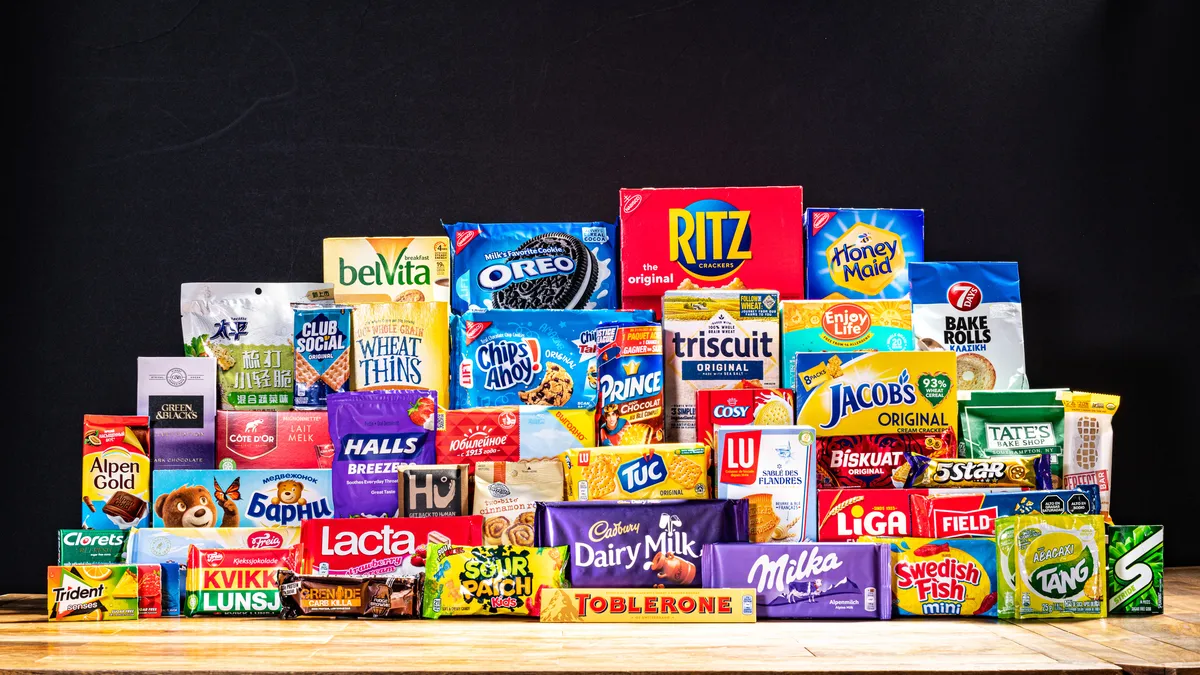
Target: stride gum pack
<point>862,253</point>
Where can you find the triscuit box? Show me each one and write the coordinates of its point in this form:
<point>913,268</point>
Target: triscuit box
<point>648,605</point>
<point>716,339</point>
<point>862,253</point>
<point>844,326</point>
<point>388,269</point>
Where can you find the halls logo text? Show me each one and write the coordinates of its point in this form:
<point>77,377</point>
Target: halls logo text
<point>390,358</point>
<point>672,539</point>
<point>286,499</point>
<point>364,450</point>
<point>508,363</point>
<point>851,399</point>
<point>642,472</point>
<point>779,573</point>
<point>399,272</point>
<point>710,238</point>
<point>535,263</point>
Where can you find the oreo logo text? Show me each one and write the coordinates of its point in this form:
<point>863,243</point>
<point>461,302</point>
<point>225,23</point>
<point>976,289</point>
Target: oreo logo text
<point>495,277</point>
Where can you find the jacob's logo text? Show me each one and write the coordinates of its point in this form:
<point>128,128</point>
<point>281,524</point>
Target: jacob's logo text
<point>392,359</point>
<point>851,399</point>
<point>710,239</point>
<point>382,273</point>
<point>507,363</point>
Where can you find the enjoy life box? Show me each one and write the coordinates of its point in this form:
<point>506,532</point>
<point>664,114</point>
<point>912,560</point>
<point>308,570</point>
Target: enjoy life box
<point>725,237</point>
<point>388,269</point>
<point>179,395</point>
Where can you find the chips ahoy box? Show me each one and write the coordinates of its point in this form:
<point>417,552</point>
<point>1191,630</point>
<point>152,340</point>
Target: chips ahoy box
<point>529,356</point>
<point>533,266</point>
<point>726,237</point>
<point>862,253</point>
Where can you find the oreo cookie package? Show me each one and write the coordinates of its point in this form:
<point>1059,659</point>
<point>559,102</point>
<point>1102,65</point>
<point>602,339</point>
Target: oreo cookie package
<point>528,357</point>
<point>533,266</point>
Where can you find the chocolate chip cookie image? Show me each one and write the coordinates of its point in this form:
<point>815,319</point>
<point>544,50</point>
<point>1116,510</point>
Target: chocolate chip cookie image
<point>555,389</point>
<point>557,252</point>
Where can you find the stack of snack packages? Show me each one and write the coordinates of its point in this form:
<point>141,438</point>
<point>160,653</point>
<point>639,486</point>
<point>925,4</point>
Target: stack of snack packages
<point>720,409</point>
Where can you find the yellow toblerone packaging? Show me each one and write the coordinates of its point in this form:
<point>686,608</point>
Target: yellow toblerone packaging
<point>648,605</point>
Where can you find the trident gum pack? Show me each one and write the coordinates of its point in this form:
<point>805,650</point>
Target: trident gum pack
<point>92,593</point>
<point>629,369</point>
<point>694,238</point>
<point>388,269</point>
<point>862,253</point>
<point>116,472</point>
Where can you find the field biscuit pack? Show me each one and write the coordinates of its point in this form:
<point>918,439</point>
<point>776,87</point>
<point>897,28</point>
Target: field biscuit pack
<point>716,339</point>
<point>388,269</point>
<point>862,253</point>
<point>774,469</point>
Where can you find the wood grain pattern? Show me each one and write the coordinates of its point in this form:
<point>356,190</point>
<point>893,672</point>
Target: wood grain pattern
<point>1161,645</point>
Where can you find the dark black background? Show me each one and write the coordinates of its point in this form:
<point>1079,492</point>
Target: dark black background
<point>180,141</point>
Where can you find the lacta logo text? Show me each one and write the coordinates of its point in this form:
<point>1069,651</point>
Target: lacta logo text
<point>850,399</point>
<point>505,364</point>
<point>381,273</point>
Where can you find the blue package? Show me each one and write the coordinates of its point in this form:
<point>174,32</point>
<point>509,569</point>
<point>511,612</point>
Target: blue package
<point>861,253</point>
<point>533,266</point>
<point>322,343</point>
<point>529,356</point>
<point>158,545</point>
<point>172,587</point>
<point>241,497</point>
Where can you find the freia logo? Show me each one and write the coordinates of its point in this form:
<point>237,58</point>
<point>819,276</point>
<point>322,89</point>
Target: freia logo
<point>399,272</point>
<point>850,399</point>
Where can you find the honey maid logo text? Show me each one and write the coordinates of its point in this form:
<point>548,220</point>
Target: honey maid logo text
<point>865,258</point>
<point>507,363</point>
<point>710,239</point>
<point>851,399</point>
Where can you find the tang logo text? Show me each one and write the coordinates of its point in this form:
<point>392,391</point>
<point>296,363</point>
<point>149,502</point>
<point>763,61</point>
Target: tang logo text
<point>507,363</point>
<point>850,399</point>
<point>710,239</point>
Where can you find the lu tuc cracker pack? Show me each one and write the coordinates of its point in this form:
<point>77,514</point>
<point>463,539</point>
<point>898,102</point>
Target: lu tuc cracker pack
<point>116,472</point>
<point>388,269</point>
<point>629,371</point>
<point>92,592</point>
<point>862,253</point>
<point>707,238</point>
<point>843,326</point>
<point>1056,565</point>
<point>943,577</point>
<point>661,471</point>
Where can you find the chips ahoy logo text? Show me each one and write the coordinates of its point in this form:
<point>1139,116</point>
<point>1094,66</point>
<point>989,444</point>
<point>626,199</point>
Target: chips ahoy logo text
<point>710,238</point>
<point>507,363</point>
<point>851,399</point>
<point>641,473</point>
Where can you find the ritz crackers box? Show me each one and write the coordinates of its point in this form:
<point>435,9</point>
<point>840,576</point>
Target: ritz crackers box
<point>689,238</point>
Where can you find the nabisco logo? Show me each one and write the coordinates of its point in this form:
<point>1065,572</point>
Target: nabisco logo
<point>462,238</point>
<point>384,541</point>
<point>214,558</point>
<point>264,539</point>
<point>631,203</point>
<point>959,523</point>
<point>473,329</point>
<point>819,218</point>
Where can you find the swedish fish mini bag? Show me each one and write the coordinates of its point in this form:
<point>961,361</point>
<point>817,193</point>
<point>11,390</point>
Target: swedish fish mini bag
<point>942,577</point>
<point>1060,565</point>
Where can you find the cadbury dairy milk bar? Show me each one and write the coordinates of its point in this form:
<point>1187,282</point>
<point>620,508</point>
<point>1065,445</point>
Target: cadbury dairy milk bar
<point>642,544</point>
<point>806,580</point>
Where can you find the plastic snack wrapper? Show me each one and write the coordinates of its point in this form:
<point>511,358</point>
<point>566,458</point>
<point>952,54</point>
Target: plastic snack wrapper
<point>1021,472</point>
<point>490,580</point>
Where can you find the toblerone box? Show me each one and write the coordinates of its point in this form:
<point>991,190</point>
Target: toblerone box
<point>716,339</point>
<point>388,269</point>
<point>648,605</point>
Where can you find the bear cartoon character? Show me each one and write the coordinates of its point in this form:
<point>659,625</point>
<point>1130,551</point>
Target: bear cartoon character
<point>288,492</point>
<point>194,506</point>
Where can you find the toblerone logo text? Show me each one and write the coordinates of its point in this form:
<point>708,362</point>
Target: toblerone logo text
<point>382,273</point>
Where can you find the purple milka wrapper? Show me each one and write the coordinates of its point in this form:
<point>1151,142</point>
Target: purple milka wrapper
<point>373,435</point>
<point>806,580</point>
<point>615,544</point>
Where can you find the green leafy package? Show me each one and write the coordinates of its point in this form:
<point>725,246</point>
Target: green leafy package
<point>1135,569</point>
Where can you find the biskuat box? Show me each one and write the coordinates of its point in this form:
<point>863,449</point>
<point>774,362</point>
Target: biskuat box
<point>723,237</point>
<point>716,339</point>
<point>388,269</point>
<point>648,605</point>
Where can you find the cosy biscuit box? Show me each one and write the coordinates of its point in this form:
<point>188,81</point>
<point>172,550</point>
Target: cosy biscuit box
<point>724,237</point>
<point>292,439</point>
<point>388,269</point>
<point>862,253</point>
<point>716,339</point>
<point>179,396</point>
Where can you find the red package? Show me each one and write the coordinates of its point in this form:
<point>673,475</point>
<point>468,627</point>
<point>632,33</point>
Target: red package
<point>149,591</point>
<point>847,514</point>
<point>742,406</point>
<point>291,439</point>
<point>867,461</point>
<point>379,546</point>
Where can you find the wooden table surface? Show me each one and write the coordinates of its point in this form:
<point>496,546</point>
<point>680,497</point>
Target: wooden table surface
<point>1162,644</point>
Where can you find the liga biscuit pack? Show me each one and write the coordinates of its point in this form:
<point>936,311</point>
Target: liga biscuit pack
<point>322,344</point>
<point>845,514</point>
<point>862,253</point>
<point>843,326</point>
<point>629,372</point>
<point>116,472</point>
<point>241,498</point>
<point>648,605</point>
<point>1057,564</point>
<point>716,339</point>
<point>511,433</point>
<point>774,469</point>
<point>943,577</point>
<point>179,396</point>
<point>660,471</point>
<point>162,545</point>
<point>92,593</point>
<point>388,269</point>
<point>402,345</point>
<point>707,238</point>
<point>379,546</point>
<point>739,407</point>
<point>273,439</point>
<point>1088,441</point>
<point>235,581</point>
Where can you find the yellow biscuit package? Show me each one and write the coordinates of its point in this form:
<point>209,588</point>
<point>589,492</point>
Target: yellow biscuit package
<point>1059,566</point>
<point>656,471</point>
<point>403,345</point>
<point>490,580</point>
<point>388,269</point>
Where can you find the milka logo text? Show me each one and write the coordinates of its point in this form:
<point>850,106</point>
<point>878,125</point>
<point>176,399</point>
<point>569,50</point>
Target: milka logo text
<point>850,399</point>
<point>779,573</point>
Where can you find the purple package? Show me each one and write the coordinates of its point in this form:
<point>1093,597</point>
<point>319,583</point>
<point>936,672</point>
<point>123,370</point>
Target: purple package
<point>639,544</point>
<point>373,433</point>
<point>806,580</point>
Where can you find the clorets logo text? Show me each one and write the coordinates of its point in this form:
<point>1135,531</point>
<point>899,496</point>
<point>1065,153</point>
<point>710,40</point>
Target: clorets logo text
<point>507,363</point>
<point>850,399</point>
<point>710,239</point>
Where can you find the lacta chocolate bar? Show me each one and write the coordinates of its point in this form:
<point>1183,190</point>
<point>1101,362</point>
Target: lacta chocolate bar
<point>179,395</point>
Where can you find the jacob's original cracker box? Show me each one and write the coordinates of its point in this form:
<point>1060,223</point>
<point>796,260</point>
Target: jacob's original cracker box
<point>844,326</point>
<point>663,471</point>
<point>92,593</point>
<point>402,345</point>
<point>116,472</point>
<point>716,339</point>
<point>862,253</point>
<point>388,269</point>
<point>693,238</point>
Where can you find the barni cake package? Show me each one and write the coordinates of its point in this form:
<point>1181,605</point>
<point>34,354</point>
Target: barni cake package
<point>534,356</point>
<point>429,490</point>
<point>388,269</point>
<point>974,310</point>
<point>843,326</point>
<point>514,432</point>
<point>91,547</point>
<point>374,433</point>
<point>639,544</point>
<point>322,353</point>
<point>241,498</point>
<point>179,396</point>
<point>533,266</point>
<point>804,580</point>
<point>1012,423</point>
<point>158,545</point>
<point>234,581</point>
<point>648,605</point>
<point>116,472</point>
<point>490,580</point>
<point>707,238</point>
<point>402,345</point>
<point>716,339</point>
<point>1135,569</point>
<point>268,439</point>
<point>629,367</point>
<point>379,546</point>
<point>963,513</point>
<point>943,577</point>
<point>740,407</point>
<point>660,471</point>
<point>1088,442</point>
<point>775,470</point>
<point>862,253</point>
<point>247,328</point>
<point>92,593</point>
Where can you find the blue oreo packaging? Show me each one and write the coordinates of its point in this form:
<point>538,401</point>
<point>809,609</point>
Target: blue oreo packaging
<point>861,254</point>
<point>528,357</point>
<point>241,497</point>
<point>533,266</point>
<point>322,343</point>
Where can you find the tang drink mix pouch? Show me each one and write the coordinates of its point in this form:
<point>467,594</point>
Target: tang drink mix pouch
<point>116,472</point>
<point>1059,566</point>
